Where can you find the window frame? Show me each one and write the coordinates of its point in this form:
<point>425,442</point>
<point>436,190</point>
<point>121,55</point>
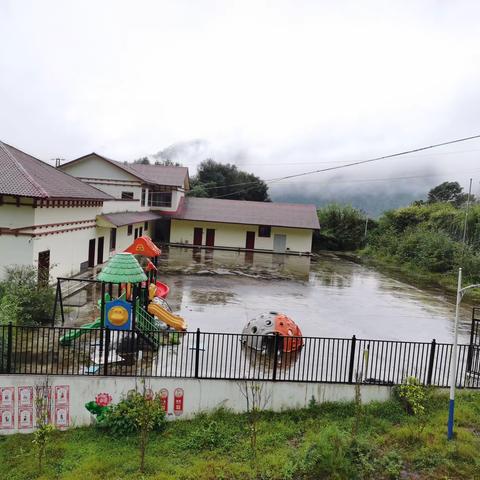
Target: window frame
<point>265,234</point>
<point>129,230</point>
<point>128,196</point>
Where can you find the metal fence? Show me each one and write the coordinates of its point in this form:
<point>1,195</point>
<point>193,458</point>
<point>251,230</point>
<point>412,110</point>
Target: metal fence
<point>62,351</point>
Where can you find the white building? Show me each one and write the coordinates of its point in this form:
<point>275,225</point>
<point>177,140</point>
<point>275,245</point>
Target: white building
<point>73,217</point>
<point>47,218</point>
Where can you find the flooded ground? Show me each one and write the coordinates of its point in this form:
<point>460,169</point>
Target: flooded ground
<point>328,296</point>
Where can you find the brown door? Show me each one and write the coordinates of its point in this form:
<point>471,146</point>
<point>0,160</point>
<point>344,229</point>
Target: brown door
<point>43,267</point>
<point>250,241</point>
<point>197,236</point>
<point>210,240</point>
<point>91,253</point>
<point>100,250</point>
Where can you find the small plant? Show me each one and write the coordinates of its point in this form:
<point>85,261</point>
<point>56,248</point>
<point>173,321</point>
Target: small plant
<point>44,429</point>
<point>413,395</point>
<point>139,413</point>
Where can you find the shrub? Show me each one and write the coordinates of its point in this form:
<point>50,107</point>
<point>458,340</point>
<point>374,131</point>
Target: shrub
<point>23,301</point>
<point>342,228</point>
<point>413,395</point>
<point>124,417</point>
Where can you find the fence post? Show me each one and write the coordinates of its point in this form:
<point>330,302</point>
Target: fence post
<point>197,351</point>
<point>431,360</point>
<point>107,348</point>
<point>9,347</point>
<point>352,359</point>
<point>275,357</point>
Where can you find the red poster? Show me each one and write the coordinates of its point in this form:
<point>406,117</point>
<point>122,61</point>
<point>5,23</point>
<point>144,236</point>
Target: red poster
<point>44,402</point>
<point>62,395</point>
<point>25,397</point>
<point>62,416</point>
<point>178,401</point>
<point>164,399</point>
<point>7,408</point>
<point>25,417</point>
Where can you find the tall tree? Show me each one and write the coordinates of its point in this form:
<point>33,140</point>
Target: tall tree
<point>448,192</point>
<point>224,180</point>
<point>142,161</point>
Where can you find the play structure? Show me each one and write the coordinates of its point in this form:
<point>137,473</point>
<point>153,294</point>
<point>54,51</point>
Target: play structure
<point>140,304</point>
<point>260,333</point>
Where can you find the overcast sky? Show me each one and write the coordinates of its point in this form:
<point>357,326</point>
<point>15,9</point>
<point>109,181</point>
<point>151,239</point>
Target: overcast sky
<point>277,87</point>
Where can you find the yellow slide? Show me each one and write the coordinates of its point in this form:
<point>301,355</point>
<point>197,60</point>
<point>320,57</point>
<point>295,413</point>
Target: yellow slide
<point>174,321</point>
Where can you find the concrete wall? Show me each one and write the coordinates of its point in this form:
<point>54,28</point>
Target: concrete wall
<point>12,216</point>
<point>186,397</point>
<point>234,236</point>
<point>15,251</point>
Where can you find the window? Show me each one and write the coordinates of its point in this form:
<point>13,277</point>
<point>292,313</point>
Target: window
<point>127,195</point>
<point>143,197</point>
<point>145,226</point>
<point>129,230</point>
<point>136,234</point>
<point>264,231</point>
<point>113,238</point>
<point>160,199</point>
<point>140,231</point>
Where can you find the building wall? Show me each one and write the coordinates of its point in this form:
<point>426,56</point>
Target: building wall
<point>194,396</point>
<point>94,167</point>
<point>12,216</point>
<point>15,251</point>
<point>234,236</point>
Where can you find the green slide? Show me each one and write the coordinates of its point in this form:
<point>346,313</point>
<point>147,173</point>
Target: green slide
<point>78,332</point>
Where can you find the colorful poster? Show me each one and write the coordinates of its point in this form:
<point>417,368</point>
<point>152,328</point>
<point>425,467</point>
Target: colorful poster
<point>43,403</point>
<point>25,407</point>
<point>178,401</point>
<point>164,399</point>
<point>7,408</point>
<point>25,417</point>
<point>62,395</point>
<point>62,416</point>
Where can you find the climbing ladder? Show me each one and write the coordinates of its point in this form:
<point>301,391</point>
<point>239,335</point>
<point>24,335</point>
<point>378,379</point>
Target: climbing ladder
<point>147,327</point>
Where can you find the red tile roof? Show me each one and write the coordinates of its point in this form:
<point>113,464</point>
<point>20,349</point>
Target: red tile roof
<point>275,214</point>
<point>153,174</point>
<point>128,218</point>
<point>27,176</point>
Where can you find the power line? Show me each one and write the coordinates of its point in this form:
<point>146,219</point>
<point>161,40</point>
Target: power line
<point>338,167</point>
<point>346,165</point>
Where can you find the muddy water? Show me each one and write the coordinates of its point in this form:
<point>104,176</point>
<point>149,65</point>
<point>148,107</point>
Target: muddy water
<point>329,296</point>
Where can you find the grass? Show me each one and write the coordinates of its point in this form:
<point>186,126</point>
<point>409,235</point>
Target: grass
<point>313,443</point>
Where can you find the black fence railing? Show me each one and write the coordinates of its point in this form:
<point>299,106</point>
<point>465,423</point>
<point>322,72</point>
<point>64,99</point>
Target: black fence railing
<point>75,351</point>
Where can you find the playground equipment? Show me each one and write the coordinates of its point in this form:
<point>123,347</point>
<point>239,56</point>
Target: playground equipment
<point>260,333</point>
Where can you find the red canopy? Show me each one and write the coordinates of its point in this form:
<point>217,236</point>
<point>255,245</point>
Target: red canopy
<point>144,246</point>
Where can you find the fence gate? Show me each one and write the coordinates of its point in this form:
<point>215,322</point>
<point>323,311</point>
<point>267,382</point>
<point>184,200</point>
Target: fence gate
<point>473,360</point>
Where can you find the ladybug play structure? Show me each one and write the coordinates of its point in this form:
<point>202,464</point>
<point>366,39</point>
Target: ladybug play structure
<point>140,305</point>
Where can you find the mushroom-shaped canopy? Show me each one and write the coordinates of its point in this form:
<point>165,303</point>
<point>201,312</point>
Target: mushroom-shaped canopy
<point>122,268</point>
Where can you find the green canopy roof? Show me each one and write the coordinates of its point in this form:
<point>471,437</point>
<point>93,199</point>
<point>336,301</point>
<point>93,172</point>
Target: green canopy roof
<point>122,268</point>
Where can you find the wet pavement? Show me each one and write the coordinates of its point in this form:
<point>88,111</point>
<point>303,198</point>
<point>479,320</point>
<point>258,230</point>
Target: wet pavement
<point>328,296</point>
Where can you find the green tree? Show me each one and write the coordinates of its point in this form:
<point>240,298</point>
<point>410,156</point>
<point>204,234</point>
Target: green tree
<point>224,180</point>
<point>448,192</point>
<point>342,227</point>
<point>142,161</point>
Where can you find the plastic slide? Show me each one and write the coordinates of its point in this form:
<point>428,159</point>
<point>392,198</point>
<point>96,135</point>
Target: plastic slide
<point>174,321</point>
<point>158,289</point>
<point>78,332</point>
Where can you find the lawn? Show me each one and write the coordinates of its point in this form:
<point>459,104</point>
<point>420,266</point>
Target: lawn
<point>332,440</point>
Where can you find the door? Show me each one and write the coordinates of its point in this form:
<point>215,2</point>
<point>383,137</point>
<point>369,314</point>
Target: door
<point>197,236</point>
<point>250,241</point>
<point>43,267</point>
<point>279,243</point>
<point>135,236</point>
<point>210,240</point>
<point>91,253</point>
<point>101,241</point>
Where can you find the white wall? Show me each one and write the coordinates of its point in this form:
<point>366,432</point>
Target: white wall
<point>234,236</point>
<point>122,206</point>
<point>12,216</point>
<point>198,395</point>
<point>94,167</point>
<point>15,251</point>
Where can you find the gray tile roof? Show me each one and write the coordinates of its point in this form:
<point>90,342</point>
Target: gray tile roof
<point>153,174</point>
<point>128,218</point>
<point>276,214</point>
<point>27,176</point>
